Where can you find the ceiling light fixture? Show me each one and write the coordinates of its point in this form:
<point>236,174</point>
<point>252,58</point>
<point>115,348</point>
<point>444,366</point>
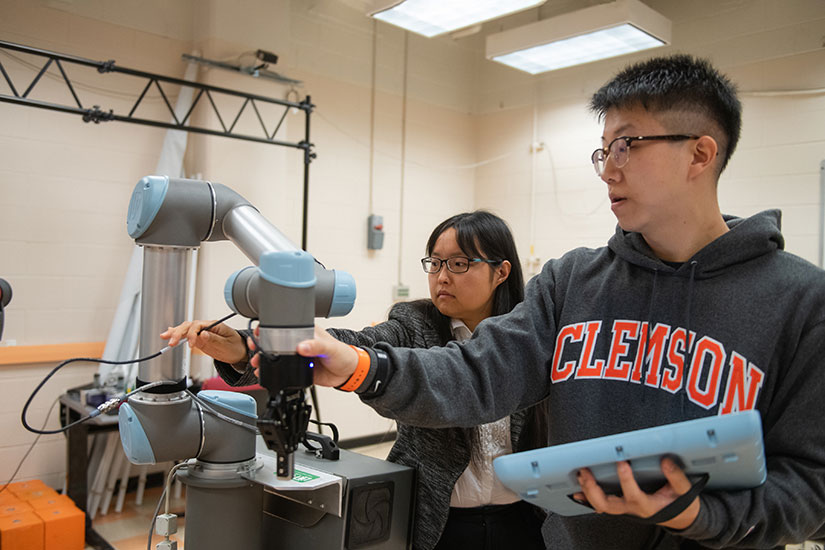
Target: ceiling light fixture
<point>434,17</point>
<point>582,36</point>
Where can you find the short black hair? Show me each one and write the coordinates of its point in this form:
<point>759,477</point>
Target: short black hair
<point>677,83</point>
<point>482,234</point>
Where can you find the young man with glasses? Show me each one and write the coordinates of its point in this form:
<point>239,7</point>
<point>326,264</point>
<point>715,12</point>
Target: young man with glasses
<point>686,313</point>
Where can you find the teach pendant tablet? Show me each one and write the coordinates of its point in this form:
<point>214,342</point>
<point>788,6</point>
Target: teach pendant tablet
<point>727,448</point>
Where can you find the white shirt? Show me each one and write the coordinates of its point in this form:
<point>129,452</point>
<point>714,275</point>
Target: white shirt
<point>478,485</point>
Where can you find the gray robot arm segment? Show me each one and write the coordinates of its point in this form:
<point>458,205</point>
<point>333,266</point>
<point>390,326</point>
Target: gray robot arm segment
<point>286,291</point>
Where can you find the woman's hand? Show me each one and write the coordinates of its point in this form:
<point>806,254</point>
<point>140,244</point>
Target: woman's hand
<point>335,362</point>
<point>219,342</point>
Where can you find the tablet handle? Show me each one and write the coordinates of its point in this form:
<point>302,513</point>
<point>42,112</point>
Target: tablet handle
<point>677,506</point>
<point>674,508</point>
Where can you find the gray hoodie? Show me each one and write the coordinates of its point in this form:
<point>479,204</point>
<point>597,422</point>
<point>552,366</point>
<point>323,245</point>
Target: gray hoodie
<point>755,316</point>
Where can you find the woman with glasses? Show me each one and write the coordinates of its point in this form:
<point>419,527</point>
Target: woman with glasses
<point>474,273</point>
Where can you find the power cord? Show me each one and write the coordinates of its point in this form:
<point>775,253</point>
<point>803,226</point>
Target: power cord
<point>105,407</point>
<point>116,401</point>
<point>332,427</point>
<point>31,447</point>
<point>164,495</point>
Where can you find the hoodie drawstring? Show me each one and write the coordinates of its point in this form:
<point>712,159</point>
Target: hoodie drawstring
<point>689,347</point>
<point>643,371</point>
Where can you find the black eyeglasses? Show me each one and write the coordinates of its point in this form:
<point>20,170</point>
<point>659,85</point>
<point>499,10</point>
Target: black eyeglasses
<point>619,149</point>
<point>456,264</point>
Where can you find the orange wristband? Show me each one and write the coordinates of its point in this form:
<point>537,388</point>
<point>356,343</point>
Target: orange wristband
<point>361,371</point>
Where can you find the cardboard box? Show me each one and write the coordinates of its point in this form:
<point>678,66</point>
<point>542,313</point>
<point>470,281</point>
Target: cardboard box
<point>24,531</point>
<point>64,528</point>
<point>26,486</point>
<point>52,501</point>
<point>15,508</point>
<point>28,490</point>
<point>7,497</point>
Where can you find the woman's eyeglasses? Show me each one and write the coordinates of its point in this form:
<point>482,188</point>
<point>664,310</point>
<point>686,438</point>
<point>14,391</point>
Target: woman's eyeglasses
<point>456,264</point>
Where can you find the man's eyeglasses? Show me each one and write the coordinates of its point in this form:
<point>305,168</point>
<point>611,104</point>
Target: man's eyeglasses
<point>619,149</point>
<point>456,264</point>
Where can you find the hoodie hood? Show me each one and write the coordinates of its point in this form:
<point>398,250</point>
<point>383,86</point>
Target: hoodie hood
<point>748,238</point>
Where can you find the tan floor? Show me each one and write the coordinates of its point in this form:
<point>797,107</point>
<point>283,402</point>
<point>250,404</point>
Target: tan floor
<point>129,529</point>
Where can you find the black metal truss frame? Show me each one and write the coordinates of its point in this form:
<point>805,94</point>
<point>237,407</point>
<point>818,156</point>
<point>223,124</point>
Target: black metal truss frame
<point>96,114</point>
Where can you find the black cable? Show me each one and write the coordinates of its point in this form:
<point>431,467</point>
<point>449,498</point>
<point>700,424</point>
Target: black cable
<point>155,516</point>
<point>218,322</point>
<point>60,366</point>
<point>31,448</point>
<point>96,412</point>
<point>252,335</point>
<point>332,426</point>
<point>258,348</point>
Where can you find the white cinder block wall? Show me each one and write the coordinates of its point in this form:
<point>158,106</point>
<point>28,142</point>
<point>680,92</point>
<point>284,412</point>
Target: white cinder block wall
<point>469,126</point>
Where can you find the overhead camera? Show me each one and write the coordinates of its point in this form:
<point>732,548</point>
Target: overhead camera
<point>266,57</point>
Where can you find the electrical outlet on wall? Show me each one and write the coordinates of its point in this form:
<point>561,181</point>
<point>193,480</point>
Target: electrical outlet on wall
<point>400,292</point>
<point>533,265</point>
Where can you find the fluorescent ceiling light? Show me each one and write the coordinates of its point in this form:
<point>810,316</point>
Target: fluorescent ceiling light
<point>598,32</point>
<point>433,17</point>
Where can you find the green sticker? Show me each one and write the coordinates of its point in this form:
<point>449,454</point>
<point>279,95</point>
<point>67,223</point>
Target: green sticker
<point>303,477</point>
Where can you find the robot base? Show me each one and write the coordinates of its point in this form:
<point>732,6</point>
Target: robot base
<point>376,507</point>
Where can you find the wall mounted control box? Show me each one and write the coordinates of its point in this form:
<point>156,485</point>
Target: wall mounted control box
<point>375,232</point>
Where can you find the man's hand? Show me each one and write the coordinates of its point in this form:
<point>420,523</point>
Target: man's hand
<point>636,502</point>
<point>219,342</point>
<point>335,362</point>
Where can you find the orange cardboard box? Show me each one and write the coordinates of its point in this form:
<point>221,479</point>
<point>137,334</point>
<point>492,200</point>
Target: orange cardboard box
<point>37,493</point>
<point>7,497</point>
<point>64,528</point>
<point>56,501</point>
<point>24,531</point>
<point>26,486</point>
<point>14,508</point>
<point>33,488</point>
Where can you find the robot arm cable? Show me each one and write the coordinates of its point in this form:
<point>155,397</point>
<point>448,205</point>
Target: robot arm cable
<point>102,408</point>
<point>203,403</point>
<point>165,496</point>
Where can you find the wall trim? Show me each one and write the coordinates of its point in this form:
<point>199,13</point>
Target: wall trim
<point>26,355</point>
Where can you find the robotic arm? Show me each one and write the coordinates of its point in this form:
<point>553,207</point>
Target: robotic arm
<point>286,291</point>
<point>227,505</point>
